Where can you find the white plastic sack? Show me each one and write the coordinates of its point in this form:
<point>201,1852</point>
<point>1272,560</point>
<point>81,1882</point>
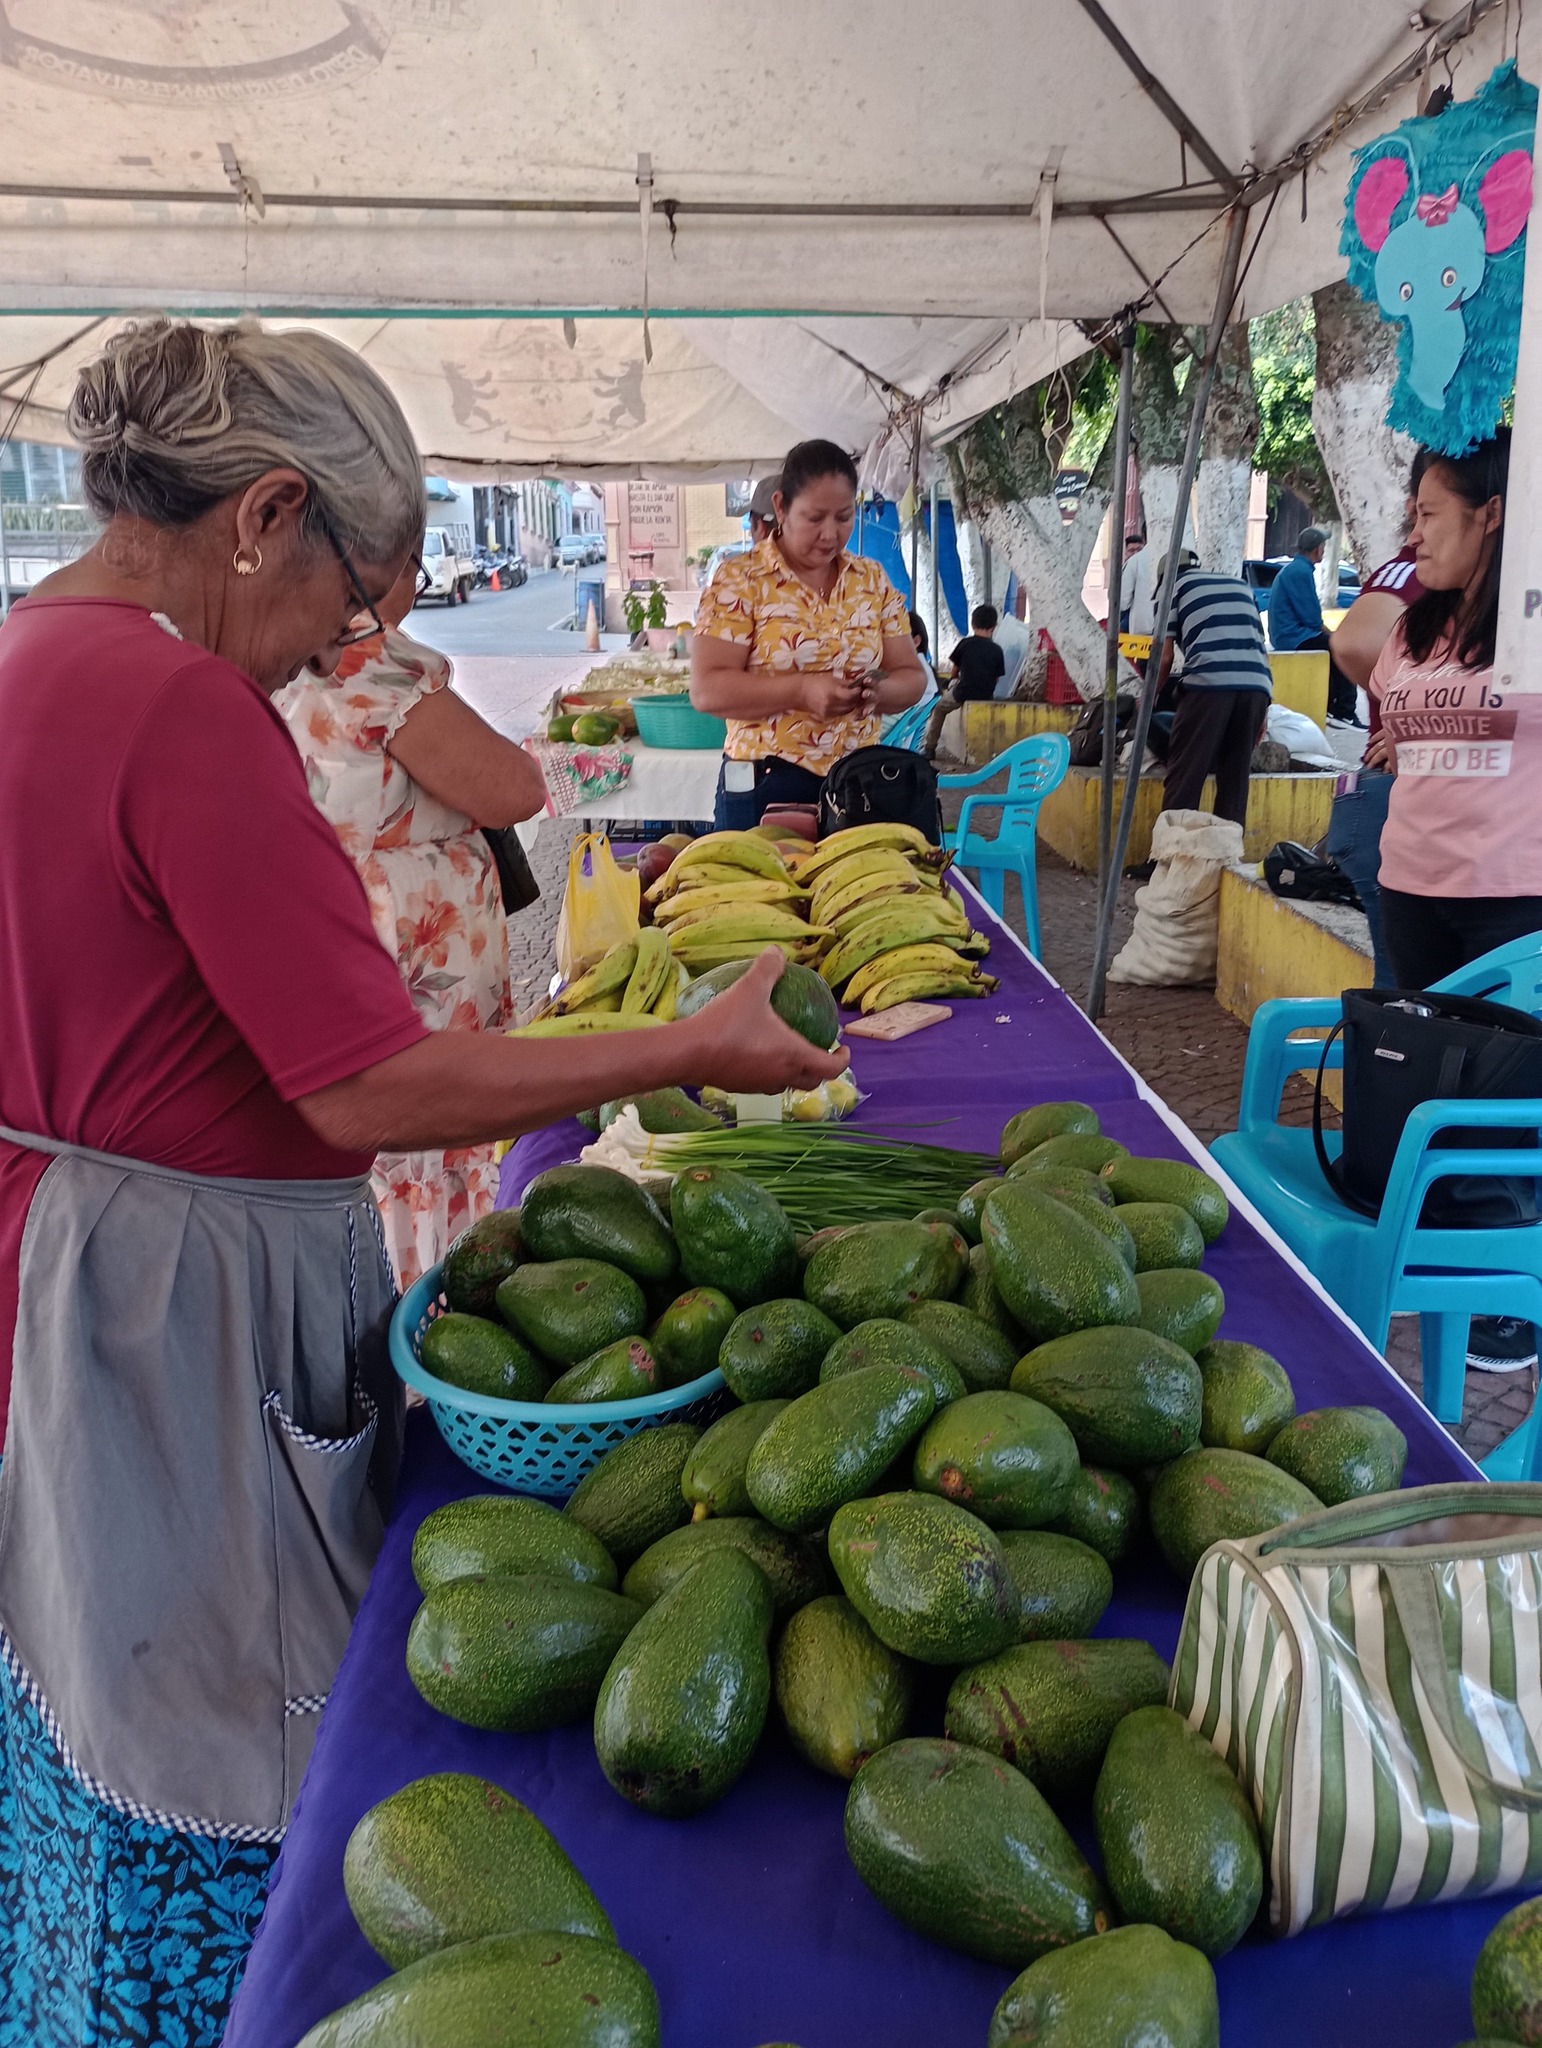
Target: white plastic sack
<point>1177,913</point>
<point>1302,735</point>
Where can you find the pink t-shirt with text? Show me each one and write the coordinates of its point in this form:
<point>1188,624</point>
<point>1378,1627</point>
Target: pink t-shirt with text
<point>1465,814</point>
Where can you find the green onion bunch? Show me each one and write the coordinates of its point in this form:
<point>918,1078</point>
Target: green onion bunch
<point>823,1174</point>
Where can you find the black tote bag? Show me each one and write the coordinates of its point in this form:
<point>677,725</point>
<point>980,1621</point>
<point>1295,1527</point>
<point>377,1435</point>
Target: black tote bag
<point>1407,1046</point>
<point>881,786</point>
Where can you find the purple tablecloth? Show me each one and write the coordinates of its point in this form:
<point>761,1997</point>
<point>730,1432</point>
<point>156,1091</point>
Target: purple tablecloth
<point>749,1918</point>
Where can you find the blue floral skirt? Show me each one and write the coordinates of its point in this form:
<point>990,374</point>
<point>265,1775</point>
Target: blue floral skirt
<point>112,1931</point>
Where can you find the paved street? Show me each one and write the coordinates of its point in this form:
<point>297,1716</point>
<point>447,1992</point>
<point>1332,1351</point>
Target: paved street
<point>523,621</point>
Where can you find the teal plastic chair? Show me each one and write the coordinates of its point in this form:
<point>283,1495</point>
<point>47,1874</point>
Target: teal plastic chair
<point>1377,1266</point>
<point>909,729</point>
<point>1033,767</point>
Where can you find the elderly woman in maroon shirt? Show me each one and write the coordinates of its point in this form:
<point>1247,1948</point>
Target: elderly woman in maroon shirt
<point>202,1045</point>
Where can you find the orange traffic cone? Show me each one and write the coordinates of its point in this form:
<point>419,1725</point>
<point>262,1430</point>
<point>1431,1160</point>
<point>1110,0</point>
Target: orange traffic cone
<point>592,636</point>
<point>495,584</point>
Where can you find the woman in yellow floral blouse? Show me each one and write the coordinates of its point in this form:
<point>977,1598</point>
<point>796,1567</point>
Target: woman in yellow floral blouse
<point>407,772</point>
<point>800,646</point>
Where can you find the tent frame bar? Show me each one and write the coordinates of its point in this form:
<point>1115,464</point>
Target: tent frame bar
<point>1161,99</point>
<point>1117,537</point>
<point>1202,379</point>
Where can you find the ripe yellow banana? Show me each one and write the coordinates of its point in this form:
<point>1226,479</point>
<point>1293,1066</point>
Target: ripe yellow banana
<point>655,964</point>
<point>733,850</point>
<point>912,988</point>
<point>829,904</point>
<point>885,899</point>
<point>758,921</point>
<point>610,975</point>
<point>669,996</point>
<point>927,957</point>
<point>577,1026</point>
<point>905,838</point>
<point>912,922</point>
<point>748,889</point>
<point>702,959</point>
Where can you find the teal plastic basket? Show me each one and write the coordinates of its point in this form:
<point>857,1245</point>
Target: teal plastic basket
<point>674,721</point>
<point>534,1446</point>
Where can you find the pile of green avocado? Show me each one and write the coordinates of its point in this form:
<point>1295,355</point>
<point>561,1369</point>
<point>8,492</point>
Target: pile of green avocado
<point>946,1435</point>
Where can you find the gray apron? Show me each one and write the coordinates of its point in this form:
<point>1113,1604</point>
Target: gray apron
<point>204,1431</point>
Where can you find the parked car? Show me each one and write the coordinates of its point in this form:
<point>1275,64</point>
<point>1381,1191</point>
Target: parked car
<point>1261,574</point>
<point>576,550</point>
<point>450,564</point>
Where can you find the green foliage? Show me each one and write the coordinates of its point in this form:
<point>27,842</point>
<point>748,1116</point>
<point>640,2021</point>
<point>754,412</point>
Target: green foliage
<point>1284,376</point>
<point>634,612</point>
<point>657,614</point>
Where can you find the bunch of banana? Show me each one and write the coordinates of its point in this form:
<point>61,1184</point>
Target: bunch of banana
<point>703,895</point>
<point>717,933</point>
<point>580,1024</point>
<point>905,840</point>
<point>745,853</point>
<point>892,923</point>
<point>637,982</point>
<point>863,878</point>
<point>912,973</point>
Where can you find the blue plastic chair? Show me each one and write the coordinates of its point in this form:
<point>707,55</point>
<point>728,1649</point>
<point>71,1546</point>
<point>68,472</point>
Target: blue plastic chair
<point>1377,1266</point>
<point>1033,767</point>
<point>909,729</point>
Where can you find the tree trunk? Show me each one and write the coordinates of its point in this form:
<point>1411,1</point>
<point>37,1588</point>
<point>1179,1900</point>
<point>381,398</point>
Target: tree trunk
<point>1226,456</point>
<point>1159,420</point>
<point>1366,462</point>
<point>941,631</point>
<point>971,559</point>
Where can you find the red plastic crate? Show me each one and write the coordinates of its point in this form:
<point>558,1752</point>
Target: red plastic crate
<point>1058,687</point>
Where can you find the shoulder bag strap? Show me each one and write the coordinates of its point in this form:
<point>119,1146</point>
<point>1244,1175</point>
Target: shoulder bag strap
<point>1418,1613</point>
<point>1331,1173</point>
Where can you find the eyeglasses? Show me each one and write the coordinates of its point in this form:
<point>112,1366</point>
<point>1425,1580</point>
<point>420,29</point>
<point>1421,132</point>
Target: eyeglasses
<point>423,579</point>
<point>366,623</point>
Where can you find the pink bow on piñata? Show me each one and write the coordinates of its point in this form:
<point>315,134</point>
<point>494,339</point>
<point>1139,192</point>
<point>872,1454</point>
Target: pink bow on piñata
<point>1435,207</point>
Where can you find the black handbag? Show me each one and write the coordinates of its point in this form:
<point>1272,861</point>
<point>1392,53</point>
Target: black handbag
<point>1407,1046</point>
<point>1086,736</point>
<point>516,884</point>
<point>1305,874</point>
<point>881,786</point>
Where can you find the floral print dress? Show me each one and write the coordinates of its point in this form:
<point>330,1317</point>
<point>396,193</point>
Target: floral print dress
<point>433,894</point>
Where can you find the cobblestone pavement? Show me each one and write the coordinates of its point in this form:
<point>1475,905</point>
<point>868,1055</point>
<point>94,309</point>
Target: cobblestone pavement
<point>1179,1040</point>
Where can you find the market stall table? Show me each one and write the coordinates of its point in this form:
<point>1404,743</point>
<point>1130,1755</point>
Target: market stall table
<point>749,1917</point>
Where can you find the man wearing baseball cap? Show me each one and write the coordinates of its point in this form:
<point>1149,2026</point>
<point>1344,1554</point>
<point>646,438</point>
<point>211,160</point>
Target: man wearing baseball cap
<point>763,508</point>
<point>1295,619</point>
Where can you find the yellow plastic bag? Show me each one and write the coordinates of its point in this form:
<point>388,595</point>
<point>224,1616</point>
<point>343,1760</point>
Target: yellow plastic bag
<point>599,905</point>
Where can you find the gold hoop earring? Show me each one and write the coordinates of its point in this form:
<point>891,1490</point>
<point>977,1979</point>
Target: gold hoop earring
<point>244,568</point>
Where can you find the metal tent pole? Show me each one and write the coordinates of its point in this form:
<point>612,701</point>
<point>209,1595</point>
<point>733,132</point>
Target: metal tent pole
<point>936,558</point>
<point>1203,378</point>
<point>1115,591</point>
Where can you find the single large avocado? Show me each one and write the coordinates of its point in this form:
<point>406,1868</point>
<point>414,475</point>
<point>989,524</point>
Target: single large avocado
<point>1128,1397</point>
<point>662,1110</point>
<point>592,1212</point>
<point>1104,1512</point>
<point>833,1442</point>
<point>1181,1305</point>
<point>1206,1497</point>
<point>843,1694</point>
<point>1063,1587</point>
<point>732,1236</point>
<point>479,1259</point>
<point>626,1371</point>
<point>503,1535</point>
<point>929,1579</point>
<point>1179,1841</point>
<point>483,1357</point>
<point>1050,1708</point>
<point>1134,1988</point>
<point>516,1653</point>
<point>1163,1235</point>
<point>981,1296</point>
<point>682,1706</point>
<point>572,1308</point>
<point>632,1496</point>
<point>1248,1397</point>
<point>569,1990</point>
<point>793,1567</point>
<point>1080,1148</point>
<point>688,1336</point>
<point>1341,1453</point>
<point>1006,1458</point>
<point>713,1479</point>
<point>1046,1120</point>
<point>1055,1272</point>
<point>881,1269</point>
<point>451,1858</point>
<point>962,1848</point>
<point>983,1354</point>
<point>801,998</point>
<point>970,1207</point>
<point>1059,1179</point>
<point>1171,1180</point>
<point>774,1350</point>
<point>1507,1980</point>
<point>882,1341</point>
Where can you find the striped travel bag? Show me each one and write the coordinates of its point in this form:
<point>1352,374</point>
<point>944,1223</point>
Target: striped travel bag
<point>1373,1675</point>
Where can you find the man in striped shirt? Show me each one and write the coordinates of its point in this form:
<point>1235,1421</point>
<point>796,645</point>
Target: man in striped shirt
<point>1224,689</point>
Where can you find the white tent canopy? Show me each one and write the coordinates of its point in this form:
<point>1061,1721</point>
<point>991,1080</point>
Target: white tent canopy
<point>852,211</point>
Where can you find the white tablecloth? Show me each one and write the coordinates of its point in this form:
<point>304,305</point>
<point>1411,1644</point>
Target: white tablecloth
<point>665,782</point>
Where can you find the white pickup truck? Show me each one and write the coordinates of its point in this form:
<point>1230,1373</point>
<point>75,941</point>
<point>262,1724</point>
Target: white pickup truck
<point>449,563</point>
